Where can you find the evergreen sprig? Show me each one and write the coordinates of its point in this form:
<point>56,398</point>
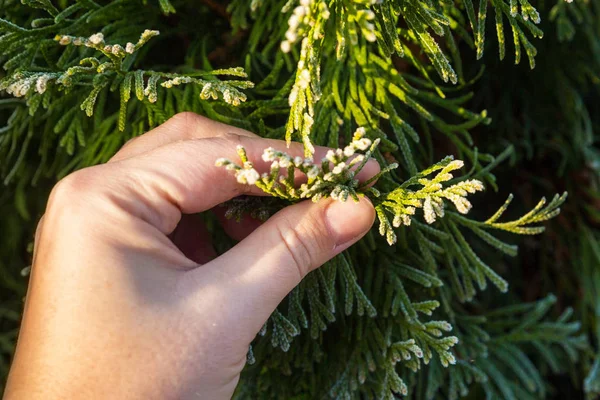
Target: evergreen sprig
<point>113,72</point>
<point>335,178</point>
<point>538,214</point>
<point>402,202</point>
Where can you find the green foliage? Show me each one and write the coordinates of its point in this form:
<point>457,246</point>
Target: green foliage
<point>402,202</point>
<point>404,313</point>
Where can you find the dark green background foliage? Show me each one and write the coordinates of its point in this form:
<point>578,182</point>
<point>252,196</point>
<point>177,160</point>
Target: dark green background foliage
<point>378,321</point>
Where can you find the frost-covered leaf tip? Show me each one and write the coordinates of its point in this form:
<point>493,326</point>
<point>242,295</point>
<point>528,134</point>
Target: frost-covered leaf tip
<point>403,202</point>
<point>334,176</point>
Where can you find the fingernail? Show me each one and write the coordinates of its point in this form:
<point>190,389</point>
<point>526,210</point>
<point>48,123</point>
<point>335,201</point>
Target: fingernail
<point>348,221</point>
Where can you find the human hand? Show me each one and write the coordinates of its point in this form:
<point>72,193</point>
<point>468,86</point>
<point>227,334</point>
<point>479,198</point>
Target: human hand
<point>123,302</point>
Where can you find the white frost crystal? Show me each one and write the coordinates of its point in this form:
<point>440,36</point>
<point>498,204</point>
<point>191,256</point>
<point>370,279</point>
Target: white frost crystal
<point>268,154</point>
<point>23,84</point>
<point>19,88</point>
<point>41,83</point>
<point>96,38</point>
<point>247,176</point>
<point>286,46</point>
<point>117,49</point>
<point>148,33</point>
<point>64,40</point>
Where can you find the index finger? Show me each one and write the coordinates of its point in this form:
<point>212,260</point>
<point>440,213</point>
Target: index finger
<point>182,126</point>
<point>181,177</point>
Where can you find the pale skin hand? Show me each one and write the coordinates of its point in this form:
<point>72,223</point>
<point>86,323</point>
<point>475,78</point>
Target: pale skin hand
<point>122,307</point>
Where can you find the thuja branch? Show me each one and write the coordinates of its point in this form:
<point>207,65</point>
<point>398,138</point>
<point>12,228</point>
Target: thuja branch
<point>111,68</point>
<point>335,177</point>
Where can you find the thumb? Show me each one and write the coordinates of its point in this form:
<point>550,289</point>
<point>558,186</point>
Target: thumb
<point>262,269</point>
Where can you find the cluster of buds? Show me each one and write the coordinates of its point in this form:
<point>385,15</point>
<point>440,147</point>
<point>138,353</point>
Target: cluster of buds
<point>211,89</point>
<point>334,177</point>
<point>22,84</point>
<point>20,87</point>
<point>303,18</point>
<point>303,79</point>
<point>96,41</point>
<point>245,174</point>
<point>178,80</point>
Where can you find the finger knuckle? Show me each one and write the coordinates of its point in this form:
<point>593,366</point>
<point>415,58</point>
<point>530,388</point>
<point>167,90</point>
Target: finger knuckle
<point>297,248</point>
<point>187,118</point>
<point>304,243</point>
<point>232,137</point>
<point>72,187</point>
<point>130,142</point>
